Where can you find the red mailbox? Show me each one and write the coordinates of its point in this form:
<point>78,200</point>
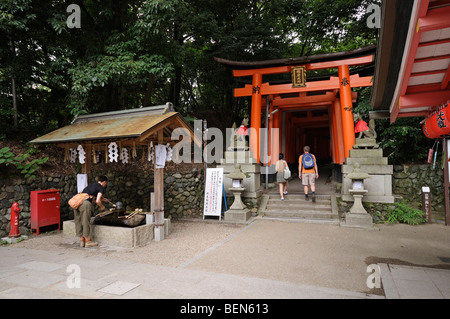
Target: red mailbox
<point>45,209</point>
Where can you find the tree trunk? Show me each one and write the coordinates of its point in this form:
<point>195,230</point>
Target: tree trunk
<point>148,93</point>
<point>13,87</point>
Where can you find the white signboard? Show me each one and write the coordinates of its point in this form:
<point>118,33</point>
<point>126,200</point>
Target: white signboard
<point>212,205</point>
<point>82,182</point>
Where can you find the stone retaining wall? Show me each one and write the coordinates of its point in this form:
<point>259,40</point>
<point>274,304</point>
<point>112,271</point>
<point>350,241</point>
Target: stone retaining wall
<point>183,192</point>
<point>183,195</point>
<point>408,180</point>
<point>407,183</point>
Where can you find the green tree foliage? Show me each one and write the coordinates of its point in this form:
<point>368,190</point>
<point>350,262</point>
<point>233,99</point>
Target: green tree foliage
<point>136,53</point>
<point>26,166</point>
<point>404,141</point>
<point>321,26</point>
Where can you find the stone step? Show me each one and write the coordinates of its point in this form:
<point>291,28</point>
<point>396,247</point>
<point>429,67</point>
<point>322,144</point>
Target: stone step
<point>301,198</point>
<point>367,160</point>
<point>295,207</point>
<point>303,206</point>
<point>370,169</point>
<point>306,220</point>
<point>366,153</point>
<point>289,197</point>
<point>283,213</point>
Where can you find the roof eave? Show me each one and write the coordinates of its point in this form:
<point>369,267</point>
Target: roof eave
<point>298,60</point>
<point>395,27</point>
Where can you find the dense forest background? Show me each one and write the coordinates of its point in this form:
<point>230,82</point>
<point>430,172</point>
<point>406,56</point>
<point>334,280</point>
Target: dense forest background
<point>135,53</point>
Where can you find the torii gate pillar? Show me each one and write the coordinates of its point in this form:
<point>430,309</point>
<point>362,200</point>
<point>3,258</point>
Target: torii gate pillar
<point>345,94</point>
<point>255,116</point>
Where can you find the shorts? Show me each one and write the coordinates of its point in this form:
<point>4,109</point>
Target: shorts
<point>308,179</point>
<point>280,177</point>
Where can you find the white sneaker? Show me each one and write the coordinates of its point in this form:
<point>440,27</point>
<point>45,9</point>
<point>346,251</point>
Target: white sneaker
<point>285,192</point>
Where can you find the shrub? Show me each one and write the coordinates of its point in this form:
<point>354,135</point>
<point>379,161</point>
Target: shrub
<point>402,213</point>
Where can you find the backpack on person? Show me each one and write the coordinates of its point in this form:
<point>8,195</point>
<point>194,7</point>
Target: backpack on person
<point>308,161</point>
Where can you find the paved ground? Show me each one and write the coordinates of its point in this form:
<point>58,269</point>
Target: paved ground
<point>267,259</point>
<point>325,255</point>
<point>35,274</point>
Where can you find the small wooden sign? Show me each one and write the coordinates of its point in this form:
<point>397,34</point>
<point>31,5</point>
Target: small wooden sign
<point>298,74</point>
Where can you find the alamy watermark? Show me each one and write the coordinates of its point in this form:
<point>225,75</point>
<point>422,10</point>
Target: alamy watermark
<point>74,279</point>
<point>374,279</point>
<point>374,19</point>
<point>74,19</point>
<point>214,139</point>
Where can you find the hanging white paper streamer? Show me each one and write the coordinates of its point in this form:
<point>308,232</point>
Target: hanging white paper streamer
<point>151,154</point>
<point>73,155</point>
<point>169,153</point>
<point>81,154</point>
<point>124,156</point>
<point>160,156</point>
<point>113,152</point>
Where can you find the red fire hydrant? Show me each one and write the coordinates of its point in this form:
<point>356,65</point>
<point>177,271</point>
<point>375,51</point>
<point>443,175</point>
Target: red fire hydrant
<point>15,211</point>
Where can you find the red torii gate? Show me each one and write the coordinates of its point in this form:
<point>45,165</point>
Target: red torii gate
<point>342,126</point>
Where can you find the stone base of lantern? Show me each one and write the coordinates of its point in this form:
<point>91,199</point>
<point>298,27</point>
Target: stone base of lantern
<point>239,216</point>
<point>358,216</point>
<point>358,221</point>
<point>238,212</point>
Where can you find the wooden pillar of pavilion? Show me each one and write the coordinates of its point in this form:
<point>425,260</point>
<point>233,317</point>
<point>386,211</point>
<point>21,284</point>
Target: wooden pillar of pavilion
<point>345,93</point>
<point>86,167</point>
<point>158,183</point>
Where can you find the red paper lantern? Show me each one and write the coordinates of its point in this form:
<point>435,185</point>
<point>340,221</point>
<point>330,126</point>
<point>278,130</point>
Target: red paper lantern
<point>438,123</point>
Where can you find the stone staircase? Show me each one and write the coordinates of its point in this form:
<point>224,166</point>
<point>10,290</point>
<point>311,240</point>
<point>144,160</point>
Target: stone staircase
<point>294,207</point>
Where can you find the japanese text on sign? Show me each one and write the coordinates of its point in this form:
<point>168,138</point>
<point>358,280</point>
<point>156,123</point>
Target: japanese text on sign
<point>213,192</point>
<point>298,74</point>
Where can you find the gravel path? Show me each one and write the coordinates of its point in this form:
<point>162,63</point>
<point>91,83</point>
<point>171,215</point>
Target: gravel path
<point>187,240</point>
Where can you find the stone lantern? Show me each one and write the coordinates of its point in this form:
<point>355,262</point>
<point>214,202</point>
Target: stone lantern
<point>358,216</point>
<point>238,212</point>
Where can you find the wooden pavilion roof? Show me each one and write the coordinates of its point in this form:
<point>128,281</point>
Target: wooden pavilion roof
<point>130,127</point>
